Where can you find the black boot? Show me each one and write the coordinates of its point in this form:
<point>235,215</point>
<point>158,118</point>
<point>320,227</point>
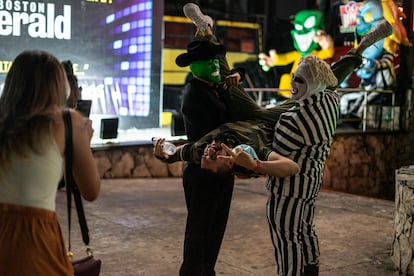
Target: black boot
<point>311,270</point>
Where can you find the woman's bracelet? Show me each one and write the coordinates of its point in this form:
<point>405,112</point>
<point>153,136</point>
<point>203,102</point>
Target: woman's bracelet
<point>257,169</point>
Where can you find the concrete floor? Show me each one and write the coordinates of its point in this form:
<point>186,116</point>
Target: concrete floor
<point>137,228</point>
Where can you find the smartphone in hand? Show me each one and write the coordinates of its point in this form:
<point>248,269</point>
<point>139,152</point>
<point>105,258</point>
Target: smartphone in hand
<point>84,107</point>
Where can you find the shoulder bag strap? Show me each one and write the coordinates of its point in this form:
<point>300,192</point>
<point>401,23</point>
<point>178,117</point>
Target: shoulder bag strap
<point>71,187</point>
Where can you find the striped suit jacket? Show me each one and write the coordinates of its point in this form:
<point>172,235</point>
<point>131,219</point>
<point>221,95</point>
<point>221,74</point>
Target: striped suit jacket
<point>304,134</point>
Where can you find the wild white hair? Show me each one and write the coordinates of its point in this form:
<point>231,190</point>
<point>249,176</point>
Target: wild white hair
<point>319,70</point>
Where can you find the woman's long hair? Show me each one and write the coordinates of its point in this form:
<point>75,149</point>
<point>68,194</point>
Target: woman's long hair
<point>34,90</point>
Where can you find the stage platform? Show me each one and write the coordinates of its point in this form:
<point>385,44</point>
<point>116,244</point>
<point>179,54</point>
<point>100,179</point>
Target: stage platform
<point>135,137</point>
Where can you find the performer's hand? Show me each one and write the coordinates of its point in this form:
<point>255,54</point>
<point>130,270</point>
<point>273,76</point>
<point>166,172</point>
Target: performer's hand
<point>233,79</point>
<point>158,152</point>
<point>240,157</point>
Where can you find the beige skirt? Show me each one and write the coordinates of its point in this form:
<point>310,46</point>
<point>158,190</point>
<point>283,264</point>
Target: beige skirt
<point>31,242</point>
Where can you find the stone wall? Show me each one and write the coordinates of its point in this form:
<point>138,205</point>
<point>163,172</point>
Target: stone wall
<point>133,162</point>
<point>403,246</point>
<point>364,163</point>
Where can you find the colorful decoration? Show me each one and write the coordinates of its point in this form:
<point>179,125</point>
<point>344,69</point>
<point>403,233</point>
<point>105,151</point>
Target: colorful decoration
<point>308,37</point>
<point>378,70</point>
<point>393,15</point>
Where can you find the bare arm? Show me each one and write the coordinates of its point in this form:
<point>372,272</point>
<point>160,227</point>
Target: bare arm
<point>276,165</point>
<point>279,166</point>
<point>85,170</point>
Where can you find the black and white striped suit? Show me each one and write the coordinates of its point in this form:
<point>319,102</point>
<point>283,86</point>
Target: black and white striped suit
<point>304,134</point>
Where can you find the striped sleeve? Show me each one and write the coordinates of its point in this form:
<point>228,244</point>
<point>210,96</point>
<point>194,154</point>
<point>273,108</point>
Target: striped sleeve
<point>287,137</point>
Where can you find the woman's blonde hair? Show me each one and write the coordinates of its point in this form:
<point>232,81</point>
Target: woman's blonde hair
<point>35,88</point>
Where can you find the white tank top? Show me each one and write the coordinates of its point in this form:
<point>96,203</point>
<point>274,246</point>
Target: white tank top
<point>33,180</point>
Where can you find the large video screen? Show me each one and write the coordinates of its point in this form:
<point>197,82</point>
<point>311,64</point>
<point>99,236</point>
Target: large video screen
<point>115,46</point>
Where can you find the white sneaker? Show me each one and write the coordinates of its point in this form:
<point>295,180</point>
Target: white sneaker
<point>378,32</point>
<point>202,21</point>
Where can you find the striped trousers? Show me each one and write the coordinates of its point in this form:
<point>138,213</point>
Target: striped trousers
<point>292,232</point>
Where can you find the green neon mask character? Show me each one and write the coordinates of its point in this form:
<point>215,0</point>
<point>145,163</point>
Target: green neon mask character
<point>208,70</point>
<point>306,24</point>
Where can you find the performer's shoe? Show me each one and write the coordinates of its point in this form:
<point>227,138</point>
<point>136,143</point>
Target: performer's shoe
<point>202,21</point>
<point>311,270</point>
<point>378,32</point>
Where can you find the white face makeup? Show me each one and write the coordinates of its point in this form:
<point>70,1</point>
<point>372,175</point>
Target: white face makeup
<point>299,87</point>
